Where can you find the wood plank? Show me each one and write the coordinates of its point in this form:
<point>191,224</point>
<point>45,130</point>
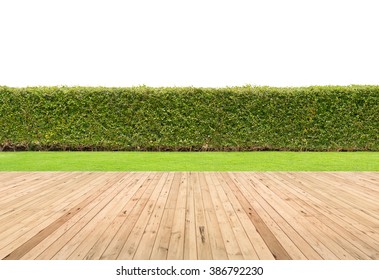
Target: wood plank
<point>43,206</point>
<point>176,246</point>
<point>44,225</point>
<point>273,218</point>
<point>351,240</point>
<point>79,195</point>
<point>87,210</point>
<point>260,218</point>
<point>295,219</point>
<point>118,241</point>
<point>22,196</point>
<point>256,239</point>
<point>162,241</point>
<point>304,215</point>
<point>85,228</point>
<point>143,251</point>
<point>8,179</point>
<point>92,232</point>
<point>247,249</point>
<point>189,215</point>
<point>136,186</point>
<point>351,195</point>
<point>190,245</point>
<point>318,202</point>
<point>216,240</point>
<point>202,238</point>
<point>367,181</point>
<point>232,247</point>
<point>130,246</point>
<point>337,206</point>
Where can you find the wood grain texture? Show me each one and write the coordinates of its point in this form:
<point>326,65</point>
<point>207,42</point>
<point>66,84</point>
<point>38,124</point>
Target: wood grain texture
<point>189,215</point>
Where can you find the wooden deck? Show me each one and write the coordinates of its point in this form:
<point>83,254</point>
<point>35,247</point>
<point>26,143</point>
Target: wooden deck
<point>189,215</point>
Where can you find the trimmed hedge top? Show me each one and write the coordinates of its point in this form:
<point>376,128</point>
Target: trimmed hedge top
<point>319,118</point>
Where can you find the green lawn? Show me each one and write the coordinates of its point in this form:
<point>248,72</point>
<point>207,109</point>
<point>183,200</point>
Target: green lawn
<point>189,161</point>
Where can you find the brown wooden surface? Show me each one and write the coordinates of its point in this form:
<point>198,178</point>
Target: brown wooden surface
<point>189,215</point>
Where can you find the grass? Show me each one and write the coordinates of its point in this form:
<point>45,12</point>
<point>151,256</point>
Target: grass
<point>189,161</point>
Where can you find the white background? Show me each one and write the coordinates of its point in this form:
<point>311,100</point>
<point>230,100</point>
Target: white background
<point>106,270</point>
<point>207,43</point>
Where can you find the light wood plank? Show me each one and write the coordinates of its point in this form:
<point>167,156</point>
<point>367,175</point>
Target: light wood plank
<point>162,241</point>
<point>189,215</point>
<point>303,204</point>
<point>216,240</point>
<point>190,245</point>
<point>118,240</point>
<point>131,243</point>
<point>256,239</point>
<point>143,251</point>
<point>232,247</point>
<point>202,238</point>
<point>119,218</point>
<point>176,246</point>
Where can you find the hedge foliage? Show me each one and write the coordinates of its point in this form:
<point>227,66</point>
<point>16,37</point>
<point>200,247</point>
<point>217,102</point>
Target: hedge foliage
<point>315,118</point>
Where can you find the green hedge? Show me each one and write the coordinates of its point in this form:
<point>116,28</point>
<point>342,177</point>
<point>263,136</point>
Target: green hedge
<point>143,118</point>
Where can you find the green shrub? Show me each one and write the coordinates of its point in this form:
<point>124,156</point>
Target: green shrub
<point>144,118</point>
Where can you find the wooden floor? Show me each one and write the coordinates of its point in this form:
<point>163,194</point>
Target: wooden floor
<point>189,215</point>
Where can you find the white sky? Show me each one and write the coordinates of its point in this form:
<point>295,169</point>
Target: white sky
<point>205,43</point>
